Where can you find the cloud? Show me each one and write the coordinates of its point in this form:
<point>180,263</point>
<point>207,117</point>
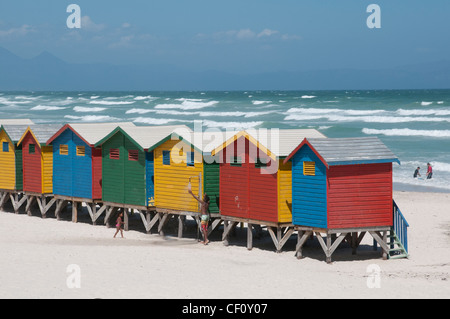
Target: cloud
<point>89,25</point>
<point>266,33</point>
<point>246,34</point>
<point>20,31</point>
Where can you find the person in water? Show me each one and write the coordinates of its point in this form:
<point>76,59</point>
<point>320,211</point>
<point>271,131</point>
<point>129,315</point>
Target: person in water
<point>416,172</point>
<point>119,224</point>
<point>204,203</point>
<point>429,171</point>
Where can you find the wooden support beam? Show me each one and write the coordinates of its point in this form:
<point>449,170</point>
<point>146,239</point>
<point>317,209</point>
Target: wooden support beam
<point>302,237</point>
<point>381,240</point>
<point>126,225</point>
<point>30,202</point>
<point>249,236</point>
<point>216,222</point>
<point>162,222</point>
<point>180,225</point>
<point>18,203</point>
<point>60,205</point>
<point>228,226</point>
<point>74,212</point>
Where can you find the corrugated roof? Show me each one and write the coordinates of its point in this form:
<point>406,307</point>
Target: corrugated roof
<point>16,122</point>
<point>15,132</point>
<point>43,132</point>
<point>148,136</point>
<point>282,142</point>
<point>206,142</point>
<point>94,132</point>
<point>336,151</point>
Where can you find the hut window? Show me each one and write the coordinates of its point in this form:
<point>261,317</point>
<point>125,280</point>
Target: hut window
<point>31,148</point>
<point>114,153</point>
<point>190,158</point>
<point>260,164</point>
<point>133,155</point>
<point>63,149</point>
<point>81,151</point>
<point>5,147</point>
<point>236,161</point>
<point>166,157</point>
<point>309,168</point>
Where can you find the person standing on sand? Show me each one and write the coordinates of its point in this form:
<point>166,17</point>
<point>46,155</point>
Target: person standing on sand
<point>429,171</point>
<point>119,224</point>
<point>204,215</point>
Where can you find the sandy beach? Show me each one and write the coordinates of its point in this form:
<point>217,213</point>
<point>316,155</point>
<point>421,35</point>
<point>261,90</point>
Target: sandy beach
<point>36,254</point>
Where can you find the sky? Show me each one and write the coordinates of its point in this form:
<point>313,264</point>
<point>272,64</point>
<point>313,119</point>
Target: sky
<point>240,36</point>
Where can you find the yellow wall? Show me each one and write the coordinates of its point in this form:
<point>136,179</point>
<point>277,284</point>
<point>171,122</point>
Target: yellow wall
<point>171,181</point>
<point>47,169</point>
<point>7,164</point>
<point>284,192</point>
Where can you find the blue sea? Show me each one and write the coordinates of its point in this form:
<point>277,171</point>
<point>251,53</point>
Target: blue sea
<point>414,124</point>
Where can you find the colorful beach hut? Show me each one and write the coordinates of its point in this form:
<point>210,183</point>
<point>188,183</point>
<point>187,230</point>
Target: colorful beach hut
<point>185,157</point>
<point>342,185</point>
<point>38,158</point>
<point>77,163</point>
<point>128,165</point>
<point>11,172</point>
<point>255,183</point>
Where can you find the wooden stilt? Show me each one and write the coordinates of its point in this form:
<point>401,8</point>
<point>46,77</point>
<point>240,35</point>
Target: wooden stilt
<point>249,236</point>
<point>74,212</point>
<point>180,225</point>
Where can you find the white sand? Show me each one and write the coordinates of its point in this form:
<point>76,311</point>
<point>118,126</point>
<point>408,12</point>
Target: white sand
<point>35,254</point>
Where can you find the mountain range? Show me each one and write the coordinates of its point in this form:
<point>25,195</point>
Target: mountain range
<point>47,72</point>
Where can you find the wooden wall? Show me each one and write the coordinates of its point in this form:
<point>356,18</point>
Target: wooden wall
<point>171,181</point>
<point>7,164</point>
<point>360,195</point>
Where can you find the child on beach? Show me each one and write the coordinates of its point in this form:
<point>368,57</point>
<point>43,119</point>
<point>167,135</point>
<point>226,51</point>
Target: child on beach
<point>119,224</point>
<point>204,215</point>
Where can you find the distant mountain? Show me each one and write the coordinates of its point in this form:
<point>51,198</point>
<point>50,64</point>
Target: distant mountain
<point>46,72</point>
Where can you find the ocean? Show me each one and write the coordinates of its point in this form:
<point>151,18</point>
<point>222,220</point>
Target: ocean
<point>414,124</point>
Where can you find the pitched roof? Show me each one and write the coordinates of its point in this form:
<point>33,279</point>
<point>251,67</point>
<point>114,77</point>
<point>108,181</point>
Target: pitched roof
<point>91,133</point>
<point>15,132</point>
<point>146,136</point>
<point>274,142</point>
<point>41,132</point>
<point>205,142</point>
<point>16,122</point>
<point>344,151</point>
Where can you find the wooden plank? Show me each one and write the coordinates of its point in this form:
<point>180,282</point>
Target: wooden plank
<point>216,222</point>
<point>380,241</point>
<point>302,238</point>
<point>285,238</point>
<point>249,237</point>
<point>337,242</point>
<point>74,212</point>
<point>30,201</point>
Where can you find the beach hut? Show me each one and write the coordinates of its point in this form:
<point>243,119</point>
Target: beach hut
<point>11,175</point>
<point>127,165</point>
<point>342,185</point>
<point>183,158</point>
<point>255,183</point>
<point>77,165</point>
<point>38,158</point>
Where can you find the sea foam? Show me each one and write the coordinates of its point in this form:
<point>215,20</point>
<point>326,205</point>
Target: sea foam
<point>407,132</point>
